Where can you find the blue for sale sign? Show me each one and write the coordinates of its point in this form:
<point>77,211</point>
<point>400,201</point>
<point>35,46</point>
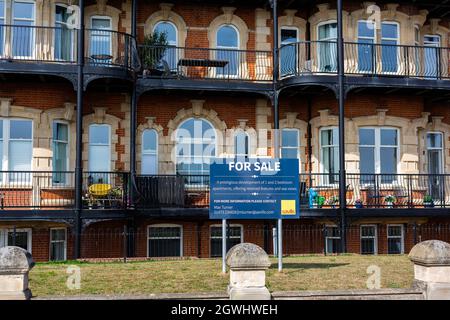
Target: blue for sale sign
<point>254,189</point>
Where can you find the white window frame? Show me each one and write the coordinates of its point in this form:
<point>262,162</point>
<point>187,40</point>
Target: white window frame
<point>171,43</point>
<point>235,225</point>
<point>319,62</point>
<point>377,147</point>
<point>374,42</point>
<point>375,237</point>
<point>432,44</point>
<point>441,149</point>
<point>332,237</point>
<point>57,241</point>
<point>298,145</point>
<point>4,236</point>
<point>33,31</point>
<point>237,48</point>
<point>93,33</point>
<point>165,225</point>
<point>6,141</point>
<point>148,152</point>
<point>95,144</point>
<point>321,162</point>
<point>396,237</point>
<point>194,140</point>
<point>72,47</point>
<point>67,149</point>
<point>397,43</point>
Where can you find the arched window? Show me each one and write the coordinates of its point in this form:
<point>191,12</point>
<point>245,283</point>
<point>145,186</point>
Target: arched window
<point>241,143</point>
<point>99,148</point>
<point>171,32</point>
<point>63,34</point>
<point>288,50</point>
<point>432,53</point>
<point>195,146</point>
<point>228,44</point>
<point>100,39</point>
<point>149,163</point>
<point>327,35</point>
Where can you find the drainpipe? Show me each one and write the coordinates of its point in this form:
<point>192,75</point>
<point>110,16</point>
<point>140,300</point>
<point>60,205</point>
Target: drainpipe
<point>79,133</point>
<point>341,98</point>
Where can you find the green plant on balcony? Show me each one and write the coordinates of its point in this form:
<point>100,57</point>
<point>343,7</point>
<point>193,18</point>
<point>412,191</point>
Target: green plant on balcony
<point>428,201</point>
<point>390,200</point>
<point>155,45</point>
<point>332,201</point>
<point>319,201</point>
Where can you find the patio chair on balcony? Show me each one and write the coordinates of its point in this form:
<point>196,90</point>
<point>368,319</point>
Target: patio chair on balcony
<point>100,195</point>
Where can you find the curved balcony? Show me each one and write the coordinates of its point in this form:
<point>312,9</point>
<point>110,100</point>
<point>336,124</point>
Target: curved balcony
<point>365,63</point>
<point>53,50</point>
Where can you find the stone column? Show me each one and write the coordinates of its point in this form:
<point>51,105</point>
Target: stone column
<point>15,264</point>
<point>432,268</point>
<point>248,264</point>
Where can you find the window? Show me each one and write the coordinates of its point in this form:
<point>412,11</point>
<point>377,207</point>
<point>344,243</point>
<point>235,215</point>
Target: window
<point>432,55</point>
<point>170,54</point>
<point>288,51</point>
<point>395,239</point>
<point>165,241</point>
<point>435,158</point>
<point>227,44</point>
<point>99,148</point>
<point>417,50</point>
<point>327,47</point>
<point>63,34</point>
<point>58,244</point>
<point>60,151</point>
<point>20,238</point>
<point>16,148</point>
<point>332,239</point>
<point>196,145</point>
<point>290,144</point>
<point>2,28</point>
<point>378,151</point>
<point>234,237</point>
<point>22,31</point>
<point>389,48</point>
<point>329,153</point>
<point>149,152</point>
<point>100,39</point>
<point>366,49</point>
<point>368,239</point>
<point>241,142</point>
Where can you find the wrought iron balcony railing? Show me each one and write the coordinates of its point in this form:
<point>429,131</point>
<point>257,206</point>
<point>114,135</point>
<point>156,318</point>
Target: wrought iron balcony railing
<point>201,63</point>
<point>320,57</point>
<point>59,45</point>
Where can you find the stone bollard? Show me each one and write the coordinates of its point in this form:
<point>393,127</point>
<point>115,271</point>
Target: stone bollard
<point>248,264</point>
<point>432,268</point>
<point>15,264</point>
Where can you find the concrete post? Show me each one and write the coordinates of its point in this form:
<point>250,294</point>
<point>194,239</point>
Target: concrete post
<point>432,268</point>
<point>248,264</point>
<point>15,264</point>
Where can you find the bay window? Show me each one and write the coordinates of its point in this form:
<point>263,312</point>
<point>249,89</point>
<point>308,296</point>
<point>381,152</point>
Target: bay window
<point>149,164</point>
<point>329,154</point>
<point>327,47</point>
<point>60,151</point>
<point>378,150</point>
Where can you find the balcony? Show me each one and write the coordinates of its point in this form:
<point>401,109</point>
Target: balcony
<point>40,190</point>
<point>54,50</point>
<point>171,62</point>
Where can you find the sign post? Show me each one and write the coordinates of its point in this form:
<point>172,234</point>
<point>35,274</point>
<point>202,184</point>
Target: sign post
<point>262,189</point>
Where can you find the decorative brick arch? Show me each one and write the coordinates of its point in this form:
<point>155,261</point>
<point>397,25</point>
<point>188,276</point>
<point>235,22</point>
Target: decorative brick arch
<point>100,117</point>
<point>166,14</point>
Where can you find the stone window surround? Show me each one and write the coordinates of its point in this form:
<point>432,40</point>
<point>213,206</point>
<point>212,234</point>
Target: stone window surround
<point>100,117</point>
<point>292,122</point>
<point>161,148</point>
<point>408,132</point>
<point>166,14</point>
<point>290,20</point>
<point>42,130</point>
<point>435,125</point>
<point>231,138</point>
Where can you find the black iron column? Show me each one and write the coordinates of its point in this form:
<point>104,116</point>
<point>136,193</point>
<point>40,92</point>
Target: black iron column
<point>276,123</point>
<point>341,98</point>
<point>133,114</point>
<point>79,133</point>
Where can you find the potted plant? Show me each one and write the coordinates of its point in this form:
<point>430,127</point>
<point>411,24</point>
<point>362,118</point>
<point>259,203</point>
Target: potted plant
<point>154,47</point>
<point>358,203</point>
<point>332,201</point>
<point>320,201</point>
<point>428,201</point>
<point>390,200</point>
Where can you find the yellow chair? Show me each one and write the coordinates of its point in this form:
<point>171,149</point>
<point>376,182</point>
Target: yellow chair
<point>99,192</point>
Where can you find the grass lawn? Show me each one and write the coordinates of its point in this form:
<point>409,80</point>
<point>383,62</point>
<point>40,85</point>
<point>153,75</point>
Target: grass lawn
<point>203,275</point>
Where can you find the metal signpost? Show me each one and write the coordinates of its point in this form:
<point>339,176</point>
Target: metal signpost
<point>254,189</point>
